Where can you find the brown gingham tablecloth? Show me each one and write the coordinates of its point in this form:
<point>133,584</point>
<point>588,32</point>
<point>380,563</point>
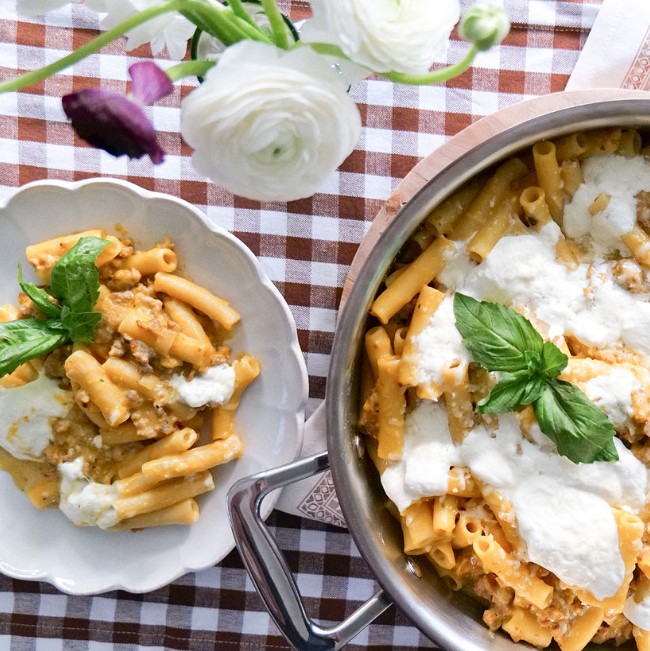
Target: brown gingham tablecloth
<point>304,246</point>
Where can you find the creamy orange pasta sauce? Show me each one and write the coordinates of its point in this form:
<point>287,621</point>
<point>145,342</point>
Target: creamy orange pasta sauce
<point>123,432</point>
<point>557,551</point>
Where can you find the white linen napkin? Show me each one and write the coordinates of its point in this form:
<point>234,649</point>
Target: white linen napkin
<point>616,55</point>
<point>314,497</point>
<point>617,51</point>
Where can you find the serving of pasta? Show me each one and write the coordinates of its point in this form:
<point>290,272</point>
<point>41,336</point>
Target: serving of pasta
<point>116,370</point>
<point>505,391</point>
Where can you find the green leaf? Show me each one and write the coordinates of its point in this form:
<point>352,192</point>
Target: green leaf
<point>513,391</point>
<point>553,360</point>
<point>40,298</point>
<point>533,390</point>
<point>26,339</point>
<point>74,281</point>
<point>75,277</point>
<point>498,338</point>
<point>581,431</point>
<point>533,361</point>
<point>80,325</point>
<point>506,395</point>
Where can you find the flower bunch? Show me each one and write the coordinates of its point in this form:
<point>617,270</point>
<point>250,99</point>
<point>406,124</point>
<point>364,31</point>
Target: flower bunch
<point>272,117</point>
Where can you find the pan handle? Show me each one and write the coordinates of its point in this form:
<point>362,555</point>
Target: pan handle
<point>268,567</point>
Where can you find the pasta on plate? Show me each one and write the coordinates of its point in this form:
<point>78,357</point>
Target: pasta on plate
<point>110,422</point>
<point>525,482</point>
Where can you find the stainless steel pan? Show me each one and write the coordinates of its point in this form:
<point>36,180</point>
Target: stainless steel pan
<point>451,619</point>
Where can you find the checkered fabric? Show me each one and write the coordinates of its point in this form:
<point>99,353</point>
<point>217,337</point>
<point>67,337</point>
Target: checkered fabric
<point>305,247</point>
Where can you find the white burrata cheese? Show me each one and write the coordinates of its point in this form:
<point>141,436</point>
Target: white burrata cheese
<point>638,612</point>
<point>612,392</point>
<point>622,179</point>
<point>439,347</point>
<point>427,454</point>
<point>214,387</point>
<point>563,508</point>
<point>26,412</point>
<point>458,268</point>
<point>85,502</point>
<point>555,523</point>
<point>522,271</point>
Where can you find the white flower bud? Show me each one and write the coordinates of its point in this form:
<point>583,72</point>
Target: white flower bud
<point>484,26</point>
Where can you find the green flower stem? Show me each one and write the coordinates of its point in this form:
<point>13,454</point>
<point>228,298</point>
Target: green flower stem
<point>194,68</point>
<point>221,22</point>
<point>226,31</point>
<point>424,79</point>
<point>251,31</point>
<point>278,28</point>
<point>93,46</point>
<point>211,19</point>
<point>435,76</point>
<point>239,10</point>
<point>325,48</point>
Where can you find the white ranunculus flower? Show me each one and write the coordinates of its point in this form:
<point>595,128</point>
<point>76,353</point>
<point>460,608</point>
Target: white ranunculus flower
<point>270,125</point>
<point>169,30</point>
<point>385,35</point>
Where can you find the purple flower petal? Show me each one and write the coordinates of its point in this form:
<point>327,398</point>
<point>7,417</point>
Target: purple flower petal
<point>150,83</point>
<point>112,123</point>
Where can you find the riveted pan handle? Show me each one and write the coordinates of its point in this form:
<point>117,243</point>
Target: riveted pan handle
<point>268,567</point>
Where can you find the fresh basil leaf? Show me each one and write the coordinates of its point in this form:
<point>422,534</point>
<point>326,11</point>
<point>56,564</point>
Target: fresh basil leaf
<point>533,390</point>
<point>553,360</point>
<point>500,339</point>
<point>74,281</point>
<point>75,278</point>
<point>80,325</point>
<point>24,329</point>
<point>514,390</point>
<point>38,296</point>
<point>497,337</point>
<point>506,395</point>
<point>533,361</point>
<point>581,431</point>
<point>26,339</point>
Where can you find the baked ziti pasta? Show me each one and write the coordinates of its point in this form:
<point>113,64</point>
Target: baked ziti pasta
<point>516,494</point>
<point>121,414</point>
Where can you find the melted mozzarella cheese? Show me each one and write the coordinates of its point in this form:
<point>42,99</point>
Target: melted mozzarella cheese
<point>214,387</point>
<point>83,501</point>
<point>26,413</point>
<point>563,508</point>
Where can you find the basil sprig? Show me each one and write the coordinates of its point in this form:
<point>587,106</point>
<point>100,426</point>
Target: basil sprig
<point>500,339</point>
<point>67,308</point>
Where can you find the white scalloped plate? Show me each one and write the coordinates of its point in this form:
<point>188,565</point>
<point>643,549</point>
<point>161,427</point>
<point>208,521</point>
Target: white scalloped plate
<point>44,545</point>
